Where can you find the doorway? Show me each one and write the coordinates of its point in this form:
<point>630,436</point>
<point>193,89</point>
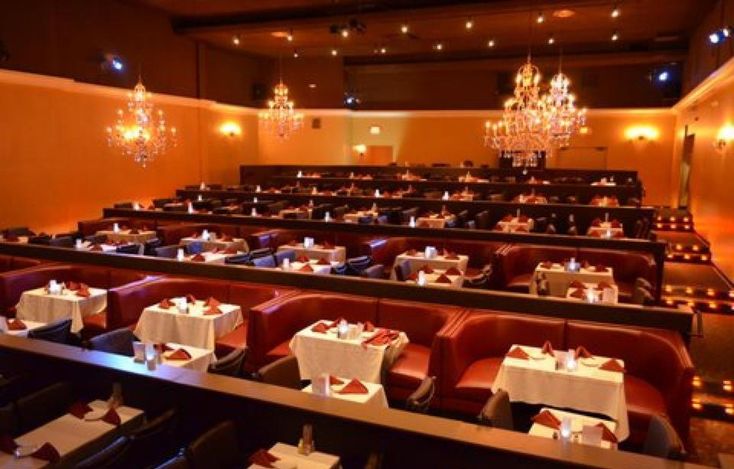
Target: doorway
<point>685,170</point>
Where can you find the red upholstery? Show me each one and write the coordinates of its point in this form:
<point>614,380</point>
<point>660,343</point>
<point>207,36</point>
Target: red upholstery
<point>90,227</point>
<point>422,323</point>
<point>262,239</point>
<point>8,263</point>
<point>659,370</point>
<point>172,234</point>
<point>275,322</point>
<point>472,349</point>
<point>235,339</point>
<point>516,263</point>
<point>627,266</point>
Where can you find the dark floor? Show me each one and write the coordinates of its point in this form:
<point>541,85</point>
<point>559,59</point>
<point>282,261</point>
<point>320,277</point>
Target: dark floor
<point>708,439</point>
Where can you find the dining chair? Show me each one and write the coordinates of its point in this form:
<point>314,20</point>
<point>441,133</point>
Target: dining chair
<point>420,400</point>
<point>237,259</point>
<point>111,456</point>
<point>153,441</point>
<point>44,405</point>
<point>283,254</point>
<point>482,220</point>
<point>497,412</point>
<point>151,245</point>
<point>62,242</point>
<point>169,252</point>
<point>262,252</point>
<point>230,364</point>
<point>402,270</point>
<point>132,248</point>
<point>120,342</point>
<point>58,332</point>
<point>282,372</point>
<point>96,239</point>
<point>216,448</point>
<point>264,261</point>
<point>339,269</point>
<point>662,440</point>
<point>355,265</point>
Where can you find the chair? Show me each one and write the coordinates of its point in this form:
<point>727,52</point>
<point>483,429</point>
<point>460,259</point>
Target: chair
<point>194,248</point>
<point>217,448</point>
<point>151,245</point>
<point>176,462</point>
<point>356,265</point>
<point>373,271</point>
<point>402,271</point>
<point>262,252</point>
<point>58,332</point>
<point>132,248</point>
<point>96,239</point>
<point>283,254</point>
<point>42,406</point>
<point>110,457</point>
<point>237,259</point>
<point>230,364</point>
<point>153,441</point>
<point>119,341</point>
<point>420,400</point>
<point>382,220</point>
<point>643,283</point>
<point>642,296</point>
<point>477,282</point>
<point>572,231</point>
<point>339,269</point>
<point>265,261</point>
<point>497,412</point>
<point>62,242</point>
<point>282,372</point>
<point>169,252</point>
<point>40,239</point>
<point>662,440</point>
<point>482,220</point>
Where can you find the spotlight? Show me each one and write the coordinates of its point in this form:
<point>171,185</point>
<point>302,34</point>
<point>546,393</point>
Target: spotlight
<point>469,24</point>
<point>615,36</point>
<point>616,12</point>
<point>663,76</point>
<point>351,100</point>
<point>295,54</point>
<point>383,50</point>
<point>720,35</point>
<point>345,33</point>
<point>551,40</point>
<point>404,29</point>
<point>540,19</point>
<point>236,40</point>
<point>438,46</point>
<point>289,37</point>
<point>112,63</point>
<point>490,43</point>
<point>334,52</point>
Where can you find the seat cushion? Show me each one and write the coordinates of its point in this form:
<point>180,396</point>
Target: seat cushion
<point>234,340</point>
<point>643,401</point>
<point>476,382</point>
<point>410,368</point>
<point>625,290</point>
<point>280,351</point>
<point>520,283</point>
<point>95,324</point>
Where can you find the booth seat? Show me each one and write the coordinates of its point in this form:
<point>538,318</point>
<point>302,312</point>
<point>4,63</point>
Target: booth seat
<point>516,263</point>
<point>90,227</point>
<point>659,371</point>
<point>473,351</point>
<point>8,263</point>
<point>172,234</point>
<point>273,324</point>
<point>627,266</point>
<point>422,323</point>
<point>356,244</point>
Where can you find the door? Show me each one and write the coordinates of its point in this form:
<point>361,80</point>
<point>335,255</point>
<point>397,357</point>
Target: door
<point>685,170</point>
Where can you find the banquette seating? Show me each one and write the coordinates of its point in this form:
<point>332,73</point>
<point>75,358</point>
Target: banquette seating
<point>8,263</point>
<point>90,227</point>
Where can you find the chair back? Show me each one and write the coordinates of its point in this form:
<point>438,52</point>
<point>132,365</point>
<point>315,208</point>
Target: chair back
<point>169,252</point>
<point>42,406</point>
<point>151,245</point>
<point>355,265</point>
<point>265,261</point>
<point>53,332</point>
<point>402,271</point>
<point>119,341</point>
<point>154,441</point>
<point>497,412</point>
<point>217,448</point>
<point>262,252</point>
<point>62,242</point>
<point>132,248</point>
<point>283,254</point>
<point>194,248</point>
<point>230,364</point>
<point>662,440</point>
<point>482,220</point>
<point>282,372</point>
<point>176,462</point>
<point>420,400</point>
<point>110,457</point>
<point>339,269</point>
<point>237,259</point>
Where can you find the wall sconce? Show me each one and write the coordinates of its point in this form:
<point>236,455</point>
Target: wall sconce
<point>375,130</point>
<point>641,133</point>
<point>230,129</point>
<point>724,137</point>
<point>361,149</point>
<point>584,130</point>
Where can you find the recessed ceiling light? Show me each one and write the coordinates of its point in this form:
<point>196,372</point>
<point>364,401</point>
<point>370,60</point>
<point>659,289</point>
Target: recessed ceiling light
<point>345,32</point>
<point>404,29</point>
<point>564,13</point>
<point>438,46</point>
<point>616,12</point>
<point>383,50</point>
<point>295,54</point>
<point>551,40</point>
<point>312,86</point>
<point>469,23</point>
<point>540,18</point>
<point>490,43</point>
<point>334,52</point>
<point>289,37</point>
<point>615,36</point>
<point>236,40</point>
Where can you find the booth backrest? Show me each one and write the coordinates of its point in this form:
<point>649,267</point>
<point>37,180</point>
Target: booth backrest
<point>420,321</point>
<point>8,263</point>
<point>519,259</point>
<point>627,265</point>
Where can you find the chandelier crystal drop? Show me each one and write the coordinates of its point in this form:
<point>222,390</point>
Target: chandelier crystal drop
<point>281,117</point>
<point>564,118</point>
<point>141,133</point>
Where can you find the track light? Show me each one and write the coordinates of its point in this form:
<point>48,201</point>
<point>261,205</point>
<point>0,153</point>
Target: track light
<point>404,29</point>
<point>615,36</point>
<point>720,35</point>
<point>334,52</point>
<point>469,24</point>
<point>438,46</point>
<point>345,32</point>
<point>490,43</point>
<point>236,40</point>
<point>289,37</point>
<point>295,54</point>
<point>616,12</point>
<point>540,19</point>
<point>551,40</point>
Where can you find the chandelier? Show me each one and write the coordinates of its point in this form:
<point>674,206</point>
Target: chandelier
<point>141,133</point>
<point>564,118</point>
<point>280,117</point>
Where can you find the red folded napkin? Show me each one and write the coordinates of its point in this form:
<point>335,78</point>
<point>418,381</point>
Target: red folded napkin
<point>302,258</point>
<point>596,222</point>
<point>231,250</point>
<point>369,327</point>
<point>355,386</point>
<point>96,248</point>
<point>507,218</point>
<point>112,417</point>
<point>16,325</point>
<point>214,250</point>
<point>606,433</point>
<point>427,269</point>
<point>453,271</point>
<point>165,304</point>
<point>72,285</point>
<point>612,365</point>
<point>213,310</point>
<point>263,458</point>
<point>577,284</point>
<point>333,380</point>
<point>292,242</point>
<point>548,348</point>
<point>190,298</point>
<point>411,252</point>
<point>581,352</point>
<point>443,279</point>
<point>600,268</point>
<point>321,328</point>
<point>547,419</point>
<point>7,444</point>
<point>413,276</point>
<point>198,258</point>
<point>577,293</point>
<point>180,354</point>
<point>47,452</point>
<point>151,207</point>
<point>546,264</point>
<point>83,292</point>
<point>602,285</point>
<point>616,224</point>
<point>383,337</point>
<point>306,268</point>
<point>211,301</point>
<point>518,353</point>
<point>79,409</point>
<point>323,261</point>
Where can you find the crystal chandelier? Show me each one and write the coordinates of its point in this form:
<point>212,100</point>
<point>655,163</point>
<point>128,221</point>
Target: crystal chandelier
<point>280,117</point>
<point>564,118</point>
<point>141,133</point>
<point>524,129</point>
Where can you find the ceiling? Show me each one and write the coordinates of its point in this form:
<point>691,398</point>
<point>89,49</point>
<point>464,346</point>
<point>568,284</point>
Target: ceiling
<point>261,26</point>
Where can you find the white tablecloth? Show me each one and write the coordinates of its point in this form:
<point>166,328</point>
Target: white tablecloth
<point>355,216</point>
<point>87,246</point>
<point>515,224</point>
<point>608,295</point>
<point>194,329</point>
<point>559,279</point>
<point>323,269</point>
<point>290,458</point>
<point>433,221</point>
<point>30,325</point>
<point>299,213</point>
<point>200,358</point>
<point>375,393</point>
<point>126,236</point>
<point>70,435</point>
<point>418,260</point>
<point>577,424</point>
<point>238,243</point>
<point>588,389</point>
<point>530,199</point>
<point>319,353</point>
<point>457,281</point>
<point>605,229</point>
<point>336,254</point>
<point>209,257</point>
<point>37,305</point>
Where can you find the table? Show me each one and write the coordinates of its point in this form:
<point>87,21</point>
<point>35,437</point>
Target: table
<point>605,201</point>
<point>457,281</point>
<point>319,353</point>
<point>418,260</point>
<point>334,254</point>
<point>126,236</point>
<point>321,269</point>
<point>577,424</point>
<point>300,214</point>
<point>199,361</point>
<point>354,217</point>
<point>588,389</point>
<point>291,458</point>
<point>209,257</point>
<point>516,225</point>
<point>37,305</point>
<point>375,393</point>
<point>195,329</point>
<point>105,247</point>
<point>217,243</point>
<point>559,278</point>
<point>73,438</point>
<point>605,229</point>
<point>608,295</point>
<point>433,221</point>
<point>30,325</point>
<point>17,239</point>
<point>530,199</point>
